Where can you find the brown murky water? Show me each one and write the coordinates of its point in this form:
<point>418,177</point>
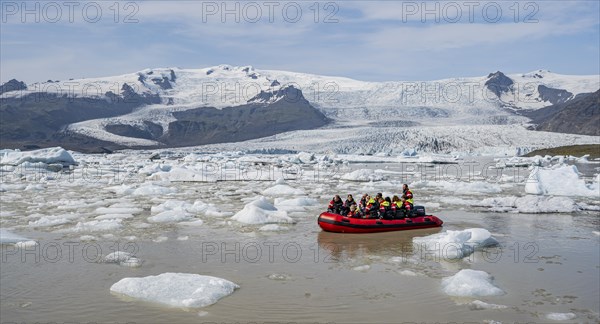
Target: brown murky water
<point>545,263</point>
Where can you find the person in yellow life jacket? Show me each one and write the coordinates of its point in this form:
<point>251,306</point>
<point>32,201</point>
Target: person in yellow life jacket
<point>385,208</point>
<point>396,205</point>
<point>372,208</point>
<point>407,194</point>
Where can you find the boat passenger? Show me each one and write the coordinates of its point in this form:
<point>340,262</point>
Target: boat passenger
<point>349,202</point>
<point>335,205</point>
<point>405,209</point>
<point>407,194</point>
<point>385,208</point>
<point>362,204</point>
<point>396,204</point>
<point>354,212</point>
<point>372,208</point>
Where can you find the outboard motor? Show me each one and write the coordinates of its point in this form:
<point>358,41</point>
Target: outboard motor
<point>418,211</point>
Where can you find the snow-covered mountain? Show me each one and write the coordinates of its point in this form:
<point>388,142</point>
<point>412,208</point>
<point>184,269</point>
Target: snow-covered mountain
<point>225,86</point>
<point>149,101</point>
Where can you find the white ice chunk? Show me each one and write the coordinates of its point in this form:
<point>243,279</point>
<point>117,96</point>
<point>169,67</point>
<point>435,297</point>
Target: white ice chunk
<point>283,190</point>
<point>96,226</point>
<point>472,188</point>
<point>362,268</point>
<point>559,181</point>
<point>470,283</point>
<point>456,244</point>
<point>198,207</point>
<point>261,211</point>
<point>26,244</point>
<point>48,155</point>
<point>48,221</point>
<point>7,237</point>
<point>363,175</point>
<point>122,258</point>
<point>176,289</point>
<point>480,305</point>
<point>149,189</point>
<point>170,216</point>
<point>561,316</point>
<point>272,228</point>
<point>198,222</point>
<point>532,204</point>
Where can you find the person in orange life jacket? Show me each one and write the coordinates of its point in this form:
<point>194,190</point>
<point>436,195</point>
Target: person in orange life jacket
<point>335,205</point>
<point>354,212</point>
<point>372,208</point>
<point>349,202</point>
<point>405,208</point>
<point>407,194</point>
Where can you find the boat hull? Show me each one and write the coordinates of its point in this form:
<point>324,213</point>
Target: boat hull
<point>336,223</point>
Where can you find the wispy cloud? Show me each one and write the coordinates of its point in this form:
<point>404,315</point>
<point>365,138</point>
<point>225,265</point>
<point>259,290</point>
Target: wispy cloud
<point>364,39</point>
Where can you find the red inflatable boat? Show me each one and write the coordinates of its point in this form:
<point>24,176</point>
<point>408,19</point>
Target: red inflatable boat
<point>340,224</point>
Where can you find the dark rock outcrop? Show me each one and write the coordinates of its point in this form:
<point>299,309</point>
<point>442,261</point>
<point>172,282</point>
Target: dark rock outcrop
<point>554,96</point>
<point>12,85</point>
<point>253,120</point>
<point>580,115</point>
<point>498,83</point>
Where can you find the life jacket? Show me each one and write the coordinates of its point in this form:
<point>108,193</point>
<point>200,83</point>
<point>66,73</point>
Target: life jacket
<point>408,195</point>
<point>384,205</point>
<point>349,203</point>
<point>335,206</point>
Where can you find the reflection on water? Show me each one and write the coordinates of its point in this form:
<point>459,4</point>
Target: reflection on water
<point>388,244</point>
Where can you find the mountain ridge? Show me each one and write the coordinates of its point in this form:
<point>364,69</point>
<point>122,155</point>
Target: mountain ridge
<point>140,109</point>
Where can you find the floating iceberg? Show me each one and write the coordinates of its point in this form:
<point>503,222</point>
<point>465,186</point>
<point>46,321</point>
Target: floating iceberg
<point>7,237</point>
<point>261,211</point>
<point>563,180</point>
<point>282,189</point>
<point>470,283</point>
<point>456,244</point>
<point>53,155</point>
<point>363,175</point>
<point>122,258</point>
<point>176,289</point>
<point>561,316</point>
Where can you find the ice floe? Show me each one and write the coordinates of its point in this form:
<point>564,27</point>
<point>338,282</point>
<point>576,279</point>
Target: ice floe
<point>460,188</point>
<point>531,204</point>
<point>96,226</point>
<point>261,211</point>
<point>480,305</point>
<point>272,228</point>
<point>281,188</point>
<point>184,290</point>
<point>363,175</point>
<point>53,155</point>
<point>198,207</point>
<point>57,220</point>
<point>122,258</point>
<point>362,268</point>
<point>7,237</point>
<point>561,180</point>
<point>456,244</point>
<point>170,216</point>
<point>561,316</point>
<point>470,283</point>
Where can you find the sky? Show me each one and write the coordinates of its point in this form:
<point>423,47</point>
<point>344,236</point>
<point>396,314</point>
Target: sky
<point>364,40</point>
